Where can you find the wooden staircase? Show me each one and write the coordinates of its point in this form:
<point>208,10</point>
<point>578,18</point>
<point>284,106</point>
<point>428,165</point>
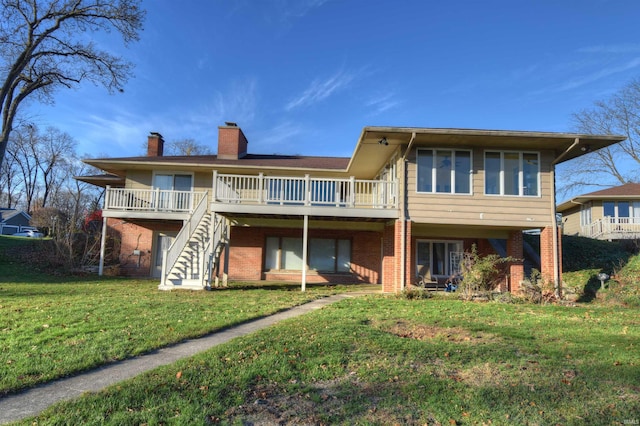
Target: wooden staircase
<point>192,261</point>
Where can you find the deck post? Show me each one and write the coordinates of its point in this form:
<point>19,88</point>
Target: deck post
<point>102,244</point>
<point>305,241</point>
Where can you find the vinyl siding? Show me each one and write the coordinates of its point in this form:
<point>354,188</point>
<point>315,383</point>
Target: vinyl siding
<point>477,208</point>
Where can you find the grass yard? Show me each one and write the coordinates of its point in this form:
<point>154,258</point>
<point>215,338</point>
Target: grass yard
<point>387,360</point>
<point>53,326</point>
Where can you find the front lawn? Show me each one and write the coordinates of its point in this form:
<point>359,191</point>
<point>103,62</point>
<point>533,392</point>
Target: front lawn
<point>55,326</point>
<point>386,360</point>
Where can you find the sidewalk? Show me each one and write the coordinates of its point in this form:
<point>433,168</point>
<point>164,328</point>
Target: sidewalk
<point>35,400</point>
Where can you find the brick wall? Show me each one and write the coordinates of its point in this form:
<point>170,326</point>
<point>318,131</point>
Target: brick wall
<point>515,269</point>
<point>546,254</point>
<point>246,255</point>
<point>137,236</point>
<point>388,259</point>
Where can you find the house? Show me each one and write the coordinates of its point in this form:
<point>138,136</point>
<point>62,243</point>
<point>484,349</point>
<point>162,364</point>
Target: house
<point>608,214</point>
<point>13,220</point>
<point>409,202</point>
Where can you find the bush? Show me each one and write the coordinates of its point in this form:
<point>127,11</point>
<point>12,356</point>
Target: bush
<point>413,293</point>
<point>481,273</point>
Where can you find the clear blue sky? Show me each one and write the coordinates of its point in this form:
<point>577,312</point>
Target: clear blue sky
<point>305,76</point>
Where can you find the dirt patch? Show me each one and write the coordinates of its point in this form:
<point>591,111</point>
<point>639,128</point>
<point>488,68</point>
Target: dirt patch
<point>319,404</point>
<point>425,332</point>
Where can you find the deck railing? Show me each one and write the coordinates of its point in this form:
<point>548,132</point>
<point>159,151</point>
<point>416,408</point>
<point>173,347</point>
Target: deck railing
<point>613,228</point>
<point>307,191</point>
<point>151,200</point>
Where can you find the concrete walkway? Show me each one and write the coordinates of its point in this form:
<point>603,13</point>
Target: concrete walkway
<point>35,400</point>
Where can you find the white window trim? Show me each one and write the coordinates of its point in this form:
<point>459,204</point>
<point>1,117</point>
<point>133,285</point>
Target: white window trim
<point>453,172</point>
<point>448,260</point>
<point>173,173</point>
<point>520,174</point>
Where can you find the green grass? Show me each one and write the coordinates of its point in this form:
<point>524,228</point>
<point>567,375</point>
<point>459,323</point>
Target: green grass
<point>52,325</point>
<point>370,360</point>
<point>384,360</point>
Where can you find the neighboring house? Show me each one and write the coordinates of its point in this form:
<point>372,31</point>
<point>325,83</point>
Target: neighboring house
<point>609,214</point>
<point>408,202</point>
<point>13,220</point>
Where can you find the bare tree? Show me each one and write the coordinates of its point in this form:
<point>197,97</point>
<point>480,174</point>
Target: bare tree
<point>23,151</point>
<point>614,165</point>
<point>9,183</point>
<point>54,151</point>
<point>43,47</point>
<point>187,147</point>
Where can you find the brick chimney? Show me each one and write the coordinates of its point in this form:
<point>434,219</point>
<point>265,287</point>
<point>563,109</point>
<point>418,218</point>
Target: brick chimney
<point>232,144</point>
<point>155,145</point>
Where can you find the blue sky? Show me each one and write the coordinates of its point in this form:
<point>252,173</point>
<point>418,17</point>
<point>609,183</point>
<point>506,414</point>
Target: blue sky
<point>305,76</point>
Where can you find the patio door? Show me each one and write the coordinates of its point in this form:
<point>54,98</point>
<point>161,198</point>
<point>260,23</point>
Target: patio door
<point>161,241</point>
<point>173,182</point>
<point>438,258</point>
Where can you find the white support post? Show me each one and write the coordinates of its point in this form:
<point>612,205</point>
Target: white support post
<point>307,190</point>
<point>260,188</point>
<point>305,243</point>
<point>352,191</point>
<point>102,244</point>
<point>214,187</point>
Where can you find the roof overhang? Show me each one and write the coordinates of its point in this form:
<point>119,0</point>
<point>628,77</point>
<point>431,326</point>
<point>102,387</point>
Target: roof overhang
<point>370,155</point>
<point>103,180</point>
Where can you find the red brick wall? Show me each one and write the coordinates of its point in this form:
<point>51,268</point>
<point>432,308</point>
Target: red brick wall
<point>516,269</point>
<point>388,259</point>
<point>137,236</point>
<point>546,254</point>
<point>246,255</point>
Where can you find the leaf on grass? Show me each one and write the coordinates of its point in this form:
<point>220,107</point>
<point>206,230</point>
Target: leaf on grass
<point>178,374</point>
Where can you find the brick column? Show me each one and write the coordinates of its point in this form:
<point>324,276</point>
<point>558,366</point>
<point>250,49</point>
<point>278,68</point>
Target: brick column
<point>546,254</point>
<point>516,269</point>
<point>388,256</point>
<point>409,261</point>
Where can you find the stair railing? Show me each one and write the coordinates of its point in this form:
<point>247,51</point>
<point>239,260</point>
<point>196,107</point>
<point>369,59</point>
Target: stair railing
<point>171,255</point>
<point>217,243</point>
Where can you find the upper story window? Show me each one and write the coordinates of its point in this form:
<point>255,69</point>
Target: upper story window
<point>512,173</point>
<point>444,171</point>
<point>622,211</point>
<point>585,214</point>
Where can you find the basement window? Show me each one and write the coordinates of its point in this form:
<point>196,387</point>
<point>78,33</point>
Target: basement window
<point>325,254</point>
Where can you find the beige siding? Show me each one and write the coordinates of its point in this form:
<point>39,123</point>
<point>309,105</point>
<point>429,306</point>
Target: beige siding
<point>477,208</point>
<point>138,179</point>
<point>571,221</point>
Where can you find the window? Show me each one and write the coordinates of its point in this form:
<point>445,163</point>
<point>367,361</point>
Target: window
<point>325,254</point>
<point>585,214</point>
<point>180,183</point>
<point>438,258</point>
<point>622,211</point>
<point>512,173</point>
<point>444,171</point>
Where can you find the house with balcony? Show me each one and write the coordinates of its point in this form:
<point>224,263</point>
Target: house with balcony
<point>408,203</point>
<point>608,214</point>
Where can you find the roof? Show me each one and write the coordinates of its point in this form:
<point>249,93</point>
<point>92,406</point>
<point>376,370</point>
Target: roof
<point>118,166</point>
<point>565,146</point>
<point>628,191</point>
<point>370,155</point>
<point>6,214</point>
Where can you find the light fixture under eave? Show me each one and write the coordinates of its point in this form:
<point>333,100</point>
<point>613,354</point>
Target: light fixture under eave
<point>383,141</point>
<point>585,148</point>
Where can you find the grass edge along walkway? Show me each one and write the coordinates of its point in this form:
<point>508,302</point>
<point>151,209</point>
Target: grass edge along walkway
<point>33,401</point>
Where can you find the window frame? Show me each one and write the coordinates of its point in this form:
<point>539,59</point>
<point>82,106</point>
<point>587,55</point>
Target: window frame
<point>339,245</point>
<point>452,172</point>
<point>521,174</point>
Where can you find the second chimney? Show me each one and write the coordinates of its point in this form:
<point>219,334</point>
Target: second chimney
<point>155,145</point>
<point>232,144</point>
